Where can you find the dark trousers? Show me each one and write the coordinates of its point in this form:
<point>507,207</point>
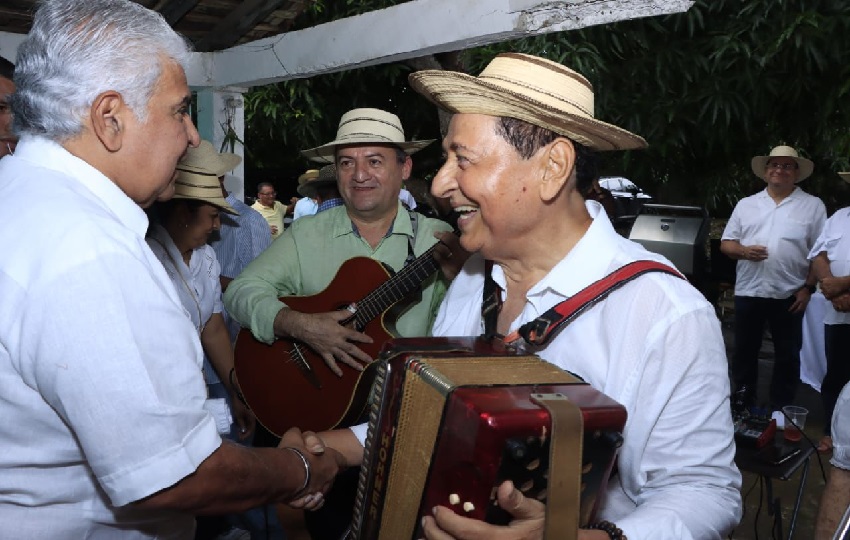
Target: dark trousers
<point>751,314</point>
<point>837,342</point>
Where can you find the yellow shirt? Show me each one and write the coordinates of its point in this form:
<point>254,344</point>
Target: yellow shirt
<point>274,215</point>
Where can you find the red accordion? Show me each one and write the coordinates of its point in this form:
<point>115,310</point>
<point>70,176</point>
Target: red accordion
<point>451,418</point>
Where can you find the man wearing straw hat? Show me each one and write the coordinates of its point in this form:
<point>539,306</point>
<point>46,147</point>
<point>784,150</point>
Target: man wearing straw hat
<point>830,258</point>
<point>770,234</point>
<point>106,435</point>
<point>323,189</point>
<point>520,153</point>
<point>305,206</point>
<point>372,159</point>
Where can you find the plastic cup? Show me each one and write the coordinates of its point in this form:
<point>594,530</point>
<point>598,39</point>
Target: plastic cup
<point>795,420</point>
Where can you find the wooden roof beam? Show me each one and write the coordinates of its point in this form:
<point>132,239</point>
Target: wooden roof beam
<point>238,23</point>
<point>409,30</point>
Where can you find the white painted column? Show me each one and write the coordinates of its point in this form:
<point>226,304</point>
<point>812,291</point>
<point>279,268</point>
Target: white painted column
<point>221,111</point>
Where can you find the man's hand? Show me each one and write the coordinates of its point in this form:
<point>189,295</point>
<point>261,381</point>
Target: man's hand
<point>243,417</point>
<point>449,255</point>
<point>325,334</point>
<point>841,303</point>
<point>754,253</point>
<point>801,300</point>
<point>325,464</point>
<point>833,286</point>
<point>528,523</point>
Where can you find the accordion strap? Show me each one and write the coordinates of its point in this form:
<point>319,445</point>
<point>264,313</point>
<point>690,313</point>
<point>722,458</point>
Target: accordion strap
<point>564,489</point>
<point>539,331</point>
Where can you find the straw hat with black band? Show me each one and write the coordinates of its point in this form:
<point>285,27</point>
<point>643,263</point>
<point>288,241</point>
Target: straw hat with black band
<point>528,88</point>
<point>365,126</point>
<point>804,166</point>
<point>198,172</point>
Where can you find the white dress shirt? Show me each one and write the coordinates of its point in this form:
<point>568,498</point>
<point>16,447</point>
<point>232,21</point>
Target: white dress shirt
<point>788,230</point>
<point>655,347</point>
<point>835,241</point>
<point>100,369</point>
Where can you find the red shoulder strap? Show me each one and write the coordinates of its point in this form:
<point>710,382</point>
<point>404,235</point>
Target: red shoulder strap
<point>542,329</point>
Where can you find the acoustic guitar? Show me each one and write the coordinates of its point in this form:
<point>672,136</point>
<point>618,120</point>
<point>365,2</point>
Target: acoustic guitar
<point>287,384</point>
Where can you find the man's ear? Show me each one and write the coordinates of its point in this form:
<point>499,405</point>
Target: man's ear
<point>406,168</point>
<point>560,162</point>
<point>107,113</point>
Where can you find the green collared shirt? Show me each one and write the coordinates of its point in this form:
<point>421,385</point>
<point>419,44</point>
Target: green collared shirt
<point>305,258</point>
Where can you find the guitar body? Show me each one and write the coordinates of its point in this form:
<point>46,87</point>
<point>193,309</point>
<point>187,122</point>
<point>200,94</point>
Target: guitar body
<point>272,378</point>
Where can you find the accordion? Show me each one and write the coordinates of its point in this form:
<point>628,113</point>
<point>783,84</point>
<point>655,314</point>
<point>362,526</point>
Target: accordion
<point>450,419</point>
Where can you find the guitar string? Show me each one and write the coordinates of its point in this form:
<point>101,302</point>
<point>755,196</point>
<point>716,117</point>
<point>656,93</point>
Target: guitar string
<point>367,304</point>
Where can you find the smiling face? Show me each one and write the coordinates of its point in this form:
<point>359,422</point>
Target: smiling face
<point>266,195</point>
<point>152,149</point>
<point>370,179</point>
<point>494,190</point>
<point>781,173</point>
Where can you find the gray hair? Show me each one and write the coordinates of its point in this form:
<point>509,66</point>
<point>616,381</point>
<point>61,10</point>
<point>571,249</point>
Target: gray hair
<point>77,50</point>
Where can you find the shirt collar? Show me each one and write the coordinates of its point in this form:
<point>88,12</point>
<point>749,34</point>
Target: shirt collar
<point>343,225</point>
<point>48,154</point>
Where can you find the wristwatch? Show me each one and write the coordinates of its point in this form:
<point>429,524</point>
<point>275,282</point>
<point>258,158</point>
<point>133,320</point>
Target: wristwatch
<point>810,288</point>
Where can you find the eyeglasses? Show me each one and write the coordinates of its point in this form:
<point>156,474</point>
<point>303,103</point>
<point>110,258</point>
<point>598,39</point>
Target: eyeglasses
<point>783,166</point>
<point>269,194</point>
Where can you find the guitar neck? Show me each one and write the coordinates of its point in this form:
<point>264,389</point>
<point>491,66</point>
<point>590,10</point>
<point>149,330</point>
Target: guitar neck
<point>401,284</point>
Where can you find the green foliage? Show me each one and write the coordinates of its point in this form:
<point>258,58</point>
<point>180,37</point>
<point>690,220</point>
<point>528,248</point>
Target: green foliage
<point>708,89</point>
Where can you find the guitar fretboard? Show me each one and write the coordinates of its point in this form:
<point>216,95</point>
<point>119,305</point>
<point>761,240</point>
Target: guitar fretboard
<point>405,282</point>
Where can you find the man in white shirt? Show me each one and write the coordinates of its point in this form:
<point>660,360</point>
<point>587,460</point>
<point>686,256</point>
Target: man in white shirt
<point>305,206</point>
<point>100,368</point>
<point>519,155</point>
<point>831,265</point>
<point>770,234</point>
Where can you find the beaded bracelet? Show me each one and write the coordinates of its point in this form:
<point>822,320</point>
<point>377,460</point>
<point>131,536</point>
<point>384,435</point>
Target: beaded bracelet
<point>306,471</point>
<point>614,532</point>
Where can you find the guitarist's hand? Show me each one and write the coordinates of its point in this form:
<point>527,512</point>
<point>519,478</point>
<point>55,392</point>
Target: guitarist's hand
<point>243,417</point>
<point>324,334</point>
<point>449,254</point>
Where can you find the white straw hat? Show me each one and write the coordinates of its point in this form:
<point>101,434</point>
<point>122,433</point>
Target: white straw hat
<point>528,88</point>
<point>365,126</point>
<point>804,166</point>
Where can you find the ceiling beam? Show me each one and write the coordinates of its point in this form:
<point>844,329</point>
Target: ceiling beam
<point>409,30</point>
<point>238,23</point>
<point>174,10</point>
